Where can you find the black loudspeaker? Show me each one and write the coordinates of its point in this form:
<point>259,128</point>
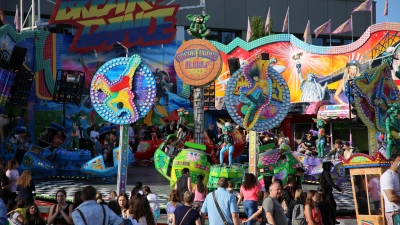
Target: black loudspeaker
<point>264,56</point>
<point>17,57</point>
<point>234,65</point>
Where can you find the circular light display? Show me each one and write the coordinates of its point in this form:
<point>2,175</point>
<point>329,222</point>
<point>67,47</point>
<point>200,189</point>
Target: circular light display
<point>197,62</point>
<point>123,90</point>
<point>257,96</point>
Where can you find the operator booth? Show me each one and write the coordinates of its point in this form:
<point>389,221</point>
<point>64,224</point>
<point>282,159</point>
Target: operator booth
<point>365,174</point>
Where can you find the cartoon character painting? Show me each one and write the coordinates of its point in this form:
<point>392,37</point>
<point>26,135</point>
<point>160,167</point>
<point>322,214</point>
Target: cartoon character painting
<point>198,27</point>
<point>321,136</point>
<point>257,96</point>
<point>227,140</point>
<point>352,71</point>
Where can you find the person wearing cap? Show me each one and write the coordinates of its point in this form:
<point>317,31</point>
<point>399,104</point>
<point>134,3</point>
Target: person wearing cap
<point>185,215</point>
<point>352,71</point>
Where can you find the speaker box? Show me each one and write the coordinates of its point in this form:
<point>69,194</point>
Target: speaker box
<point>264,56</point>
<point>234,65</point>
<point>17,57</point>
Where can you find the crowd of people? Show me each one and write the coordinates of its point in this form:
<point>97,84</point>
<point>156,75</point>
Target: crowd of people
<point>281,205</point>
<point>18,195</point>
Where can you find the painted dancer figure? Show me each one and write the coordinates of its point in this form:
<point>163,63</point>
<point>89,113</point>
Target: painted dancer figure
<point>227,140</point>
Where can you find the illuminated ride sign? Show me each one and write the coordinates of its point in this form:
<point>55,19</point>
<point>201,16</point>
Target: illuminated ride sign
<point>103,23</point>
<point>197,62</point>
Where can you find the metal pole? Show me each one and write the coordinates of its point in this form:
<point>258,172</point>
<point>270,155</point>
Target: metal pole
<point>253,146</point>
<point>351,20</point>
<point>39,23</point>
<point>288,20</point>
<point>348,97</point>
<point>33,15</point>
<point>123,158</point>
<point>21,14</point>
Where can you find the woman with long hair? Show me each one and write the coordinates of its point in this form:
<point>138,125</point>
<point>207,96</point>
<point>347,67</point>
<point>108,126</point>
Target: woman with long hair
<point>123,202</point>
<point>33,216</point>
<point>311,212</point>
<point>13,175</point>
<point>250,192</point>
<point>174,202</point>
<point>61,214</point>
<point>285,200</point>
<point>299,198</point>
<point>26,188</point>
<point>290,185</point>
<point>140,210</point>
<point>77,199</point>
<point>200,191</point>
<point>153,200</point>
<point>99,198</point>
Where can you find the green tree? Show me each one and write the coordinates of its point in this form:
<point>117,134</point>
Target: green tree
<point>257,26</point>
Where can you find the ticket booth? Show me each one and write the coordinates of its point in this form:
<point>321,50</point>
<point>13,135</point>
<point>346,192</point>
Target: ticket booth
<point>365,174</point>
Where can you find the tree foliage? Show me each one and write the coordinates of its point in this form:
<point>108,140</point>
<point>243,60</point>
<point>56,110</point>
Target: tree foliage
<point>257,26</point>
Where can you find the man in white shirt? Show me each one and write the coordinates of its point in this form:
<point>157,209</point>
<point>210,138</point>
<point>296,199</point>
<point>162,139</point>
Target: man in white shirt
<point>390,188</point>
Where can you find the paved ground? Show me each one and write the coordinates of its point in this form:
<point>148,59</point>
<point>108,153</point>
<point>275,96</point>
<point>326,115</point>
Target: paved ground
<point>158,184</point>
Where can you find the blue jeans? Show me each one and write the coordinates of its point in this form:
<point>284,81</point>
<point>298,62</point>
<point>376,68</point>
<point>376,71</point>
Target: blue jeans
<point>221,154</point>
<point>250,207</point>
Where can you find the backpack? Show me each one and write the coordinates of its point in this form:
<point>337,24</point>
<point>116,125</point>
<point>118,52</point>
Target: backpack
<point>298,217</point>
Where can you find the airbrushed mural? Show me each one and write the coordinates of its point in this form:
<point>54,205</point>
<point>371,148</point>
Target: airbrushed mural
<point>304,68</point>
<point>55,55</point>
<point>314,73</point>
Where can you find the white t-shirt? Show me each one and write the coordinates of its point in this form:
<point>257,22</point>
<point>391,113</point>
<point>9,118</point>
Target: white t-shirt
<point>94,135</point>
<point>374,188</point>
<point>153,200</point>
<point>390,181</point>
<point>13,175</point>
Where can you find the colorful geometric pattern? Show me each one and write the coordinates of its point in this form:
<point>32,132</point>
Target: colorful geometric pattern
<point>360,160</point>
<point>238,42</point>
<point>375,90</point>
<point>257,97</point>
<point>123,90</point>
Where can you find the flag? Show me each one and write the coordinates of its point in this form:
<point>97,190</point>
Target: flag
<point>385,11</point>
<point>307,33</point>
<point>2,17</point>
<point>345,27</point>
<point>249,32</point>
<point>16,19</point>
<point>323,29</point>
<point>365,6</point>
<point>267,21</point>
<point>286,22</point>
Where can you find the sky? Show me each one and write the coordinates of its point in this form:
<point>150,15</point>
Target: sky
<point>394,7</point>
